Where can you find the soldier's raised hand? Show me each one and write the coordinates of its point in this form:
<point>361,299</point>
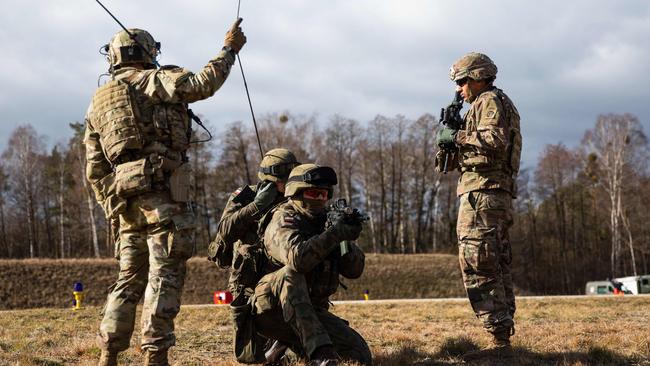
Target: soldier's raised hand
<point>235,37</point>
<point>266,195</point>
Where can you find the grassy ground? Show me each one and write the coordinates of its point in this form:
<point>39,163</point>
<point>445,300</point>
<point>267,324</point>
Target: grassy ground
<point>584,331</point>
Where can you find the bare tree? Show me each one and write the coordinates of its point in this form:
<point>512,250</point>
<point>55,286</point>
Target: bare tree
<point>22,154</point>
<point>77,142</point>
<point>5,250</point>
<point>556,169</point>
<point>613,142</point>
<point>338,149</point>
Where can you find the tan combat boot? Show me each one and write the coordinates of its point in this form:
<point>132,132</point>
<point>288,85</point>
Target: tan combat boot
<point>500,348</point>
<point>156,358</point>
<point>107,358</point>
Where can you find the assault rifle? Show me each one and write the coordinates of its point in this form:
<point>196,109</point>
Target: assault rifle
<point>451,118</point>
<point>351,216</point>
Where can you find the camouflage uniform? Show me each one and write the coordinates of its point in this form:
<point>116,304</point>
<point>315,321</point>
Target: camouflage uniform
<point>237,232</point>
<point>489,148</point>
<point>291,304</point>
<point>238,227</point>
<point>137,133</point>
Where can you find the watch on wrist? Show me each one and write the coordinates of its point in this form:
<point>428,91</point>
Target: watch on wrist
<point>229,50</point>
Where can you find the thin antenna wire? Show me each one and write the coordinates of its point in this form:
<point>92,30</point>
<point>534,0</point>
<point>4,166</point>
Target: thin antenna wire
<point>257,134</point>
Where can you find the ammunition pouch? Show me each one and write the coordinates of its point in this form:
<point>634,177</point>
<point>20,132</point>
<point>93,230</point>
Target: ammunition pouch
<point>179,183</point>
<point>247,266</point>
<point>106,193</point>
<point>247,348</point>
<point>220,252</point>
<point>133,178</point>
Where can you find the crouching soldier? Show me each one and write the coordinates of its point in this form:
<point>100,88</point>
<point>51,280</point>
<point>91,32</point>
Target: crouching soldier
<point>303,248</point>
<point>237,243</point>
<point>246,206</point>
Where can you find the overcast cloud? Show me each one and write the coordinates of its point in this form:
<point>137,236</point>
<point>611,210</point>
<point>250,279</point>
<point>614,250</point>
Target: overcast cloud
<point>563,63</point>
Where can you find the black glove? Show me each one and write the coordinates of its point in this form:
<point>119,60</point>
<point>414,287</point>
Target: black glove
<point>345,230</point>
<point>265,196</point>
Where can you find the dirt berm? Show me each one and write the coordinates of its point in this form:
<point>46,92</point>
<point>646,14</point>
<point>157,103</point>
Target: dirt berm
<point>35,283</point>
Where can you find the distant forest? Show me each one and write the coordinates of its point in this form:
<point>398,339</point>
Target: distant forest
<point>582,213</point>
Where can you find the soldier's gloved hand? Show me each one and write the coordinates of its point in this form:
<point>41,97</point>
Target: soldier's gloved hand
<point>265,196</point>
<point>344,230</point>
<point>452,160</point>
<point>235,37</point>
<point>446,137</point>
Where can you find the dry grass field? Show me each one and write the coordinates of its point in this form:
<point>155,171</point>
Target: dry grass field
<point>550,331</point>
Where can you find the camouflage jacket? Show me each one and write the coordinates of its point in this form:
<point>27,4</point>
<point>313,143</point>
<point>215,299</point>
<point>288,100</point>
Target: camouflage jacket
<point>157,105</point>
<point>238,224</point>
<point>292,239</point>
<point>489,144</point>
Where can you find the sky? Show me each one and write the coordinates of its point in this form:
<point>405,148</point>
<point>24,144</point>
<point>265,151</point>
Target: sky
<point>563,63</point>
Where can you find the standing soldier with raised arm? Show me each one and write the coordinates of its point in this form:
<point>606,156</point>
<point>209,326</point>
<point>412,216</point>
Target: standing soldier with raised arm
<point>488,153</point>
<point>138,131</point>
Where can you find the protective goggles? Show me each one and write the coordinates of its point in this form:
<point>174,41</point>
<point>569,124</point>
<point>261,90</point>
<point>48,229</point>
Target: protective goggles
<point>321,176</point>
<point>278,170</point>
<point>462,81</point>
<point>316,194</point>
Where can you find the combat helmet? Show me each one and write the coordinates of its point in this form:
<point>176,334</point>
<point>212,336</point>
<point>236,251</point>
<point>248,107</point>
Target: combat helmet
<point>276,165</point>
<point>310,176</point>
<point>473,65</point>
<point>137,48</point>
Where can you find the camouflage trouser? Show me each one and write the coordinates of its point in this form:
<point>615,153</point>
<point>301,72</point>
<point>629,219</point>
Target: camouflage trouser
<point>484,218</point>
<point>156,239</point>
<point>283,311</point>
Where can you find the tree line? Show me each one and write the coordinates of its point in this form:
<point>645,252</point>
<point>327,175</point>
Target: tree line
<point>580,212</point>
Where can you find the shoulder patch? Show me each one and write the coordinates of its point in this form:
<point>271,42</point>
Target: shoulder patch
<point>243,195</point>
<point>290,220</point>
<point>491,113</point>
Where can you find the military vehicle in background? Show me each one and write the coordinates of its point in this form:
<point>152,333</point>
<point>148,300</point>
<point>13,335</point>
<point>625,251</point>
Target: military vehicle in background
<point>633,285</point>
